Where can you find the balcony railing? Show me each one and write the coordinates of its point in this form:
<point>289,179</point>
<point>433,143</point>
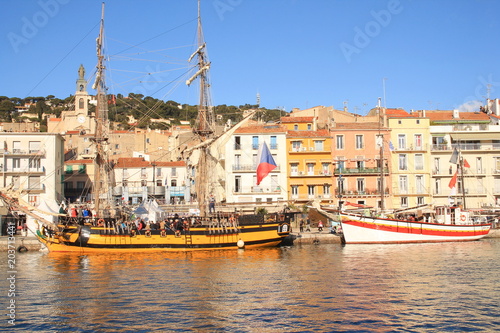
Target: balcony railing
<point>348,171</point>
<point>257,189</point>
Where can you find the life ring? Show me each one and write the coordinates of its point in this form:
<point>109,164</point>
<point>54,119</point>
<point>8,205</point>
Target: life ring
<point>177,233</point>
<point>132,233</point>
<point>163,233</point>
<point>100,222</point>
<point>463,217</point>
<point>147,233</point>
<point>22,248</point>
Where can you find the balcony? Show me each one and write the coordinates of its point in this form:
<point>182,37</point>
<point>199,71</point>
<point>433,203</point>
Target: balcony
<point>249,168</point>
<point>257,189</point>
<point>411,148</point>
<point>359,171</point>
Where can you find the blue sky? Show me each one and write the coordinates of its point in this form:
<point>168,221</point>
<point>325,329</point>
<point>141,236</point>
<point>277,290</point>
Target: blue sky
<point>294,53</point>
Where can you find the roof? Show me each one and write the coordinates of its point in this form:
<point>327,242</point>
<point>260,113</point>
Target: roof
<point>356,126</point>
<point>397,113</point>
<point>297,119</point>
<point>261,129</point>
<point>309,134</point>
<point>447,115</point>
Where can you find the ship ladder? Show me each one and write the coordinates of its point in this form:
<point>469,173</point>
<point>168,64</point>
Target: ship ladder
<point>189,238</point>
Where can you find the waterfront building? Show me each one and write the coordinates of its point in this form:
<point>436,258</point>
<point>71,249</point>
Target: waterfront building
<point>477,140</point>
<point>410,184</point>
<point>138,179</point>
<point>241,165</point>
<point>357,161</point>
<point>32,164</point>
<point>309,164</point>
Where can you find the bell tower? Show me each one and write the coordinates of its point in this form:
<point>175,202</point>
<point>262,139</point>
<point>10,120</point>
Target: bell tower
<point>81,95</point>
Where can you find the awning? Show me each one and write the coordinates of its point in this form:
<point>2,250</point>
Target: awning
<point>474,136</point>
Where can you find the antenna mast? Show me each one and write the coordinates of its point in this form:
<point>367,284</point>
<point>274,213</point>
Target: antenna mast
<point>381,138</point>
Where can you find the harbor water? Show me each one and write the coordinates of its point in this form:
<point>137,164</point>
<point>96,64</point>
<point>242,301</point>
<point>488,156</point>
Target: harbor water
<point>442,287</point>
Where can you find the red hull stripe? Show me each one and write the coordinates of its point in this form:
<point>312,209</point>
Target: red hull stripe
<point>475,230</point>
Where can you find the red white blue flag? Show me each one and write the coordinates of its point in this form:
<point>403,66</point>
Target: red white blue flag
<point>266,162</point>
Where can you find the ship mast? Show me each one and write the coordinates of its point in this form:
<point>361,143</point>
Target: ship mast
<point>381,138</point>
<point>102,168</point>
<point>205,124</point>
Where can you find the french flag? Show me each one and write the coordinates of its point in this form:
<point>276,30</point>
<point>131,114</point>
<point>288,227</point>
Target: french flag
<point>266,162</point>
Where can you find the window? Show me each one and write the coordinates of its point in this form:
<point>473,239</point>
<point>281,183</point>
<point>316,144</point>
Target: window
<point>419,182</point>
<point>237,184</point>
<point>173,172</point>
<point>117,146</point>
<point>173,183</point>
<point>144,174</point>
<point>80,103</point>
<point>420,201</point>
<point>325,168</point>
<point>144,182</point>
<point>68,185</point>
<point>294,168</point>
<point>403,184</point>
<point>403,165</point>
<point>295,190</point>
<point>158,182</point>
<point>124,183</point>
<point>16,164</point>
<point>80,185</point>
<point>34,200</point>
<point>359,142</point>
<point>402,141</point>
<point>379,141</point>
<point>158,172</point>
<point>34,183</point>
<point>339,141</point>
<point>360,165</point>
<point>34,146</point>
<point>237,142</point>
<point>255,142</point>
<point>274,143</point>
<point>479,165</point>
<point>311,190</point>
<point>254,159</point>
<point>437,186</point>
<point>295,127</point>
<point>419,162</point>
<point>418,141</point>
<point>82,168</point>
<point>341,184</point>
<point>237,161</point>
<point>404,202</point>
<point>310,168</point>
<point>34,164</point>
<point>296,145</point>
<point>16,147</point>
<point>274,183</point>
<point>326,189</point>
<point>309,127</point>
<point>360,185</point>
<point>318,145</point>
<point>436,165</point>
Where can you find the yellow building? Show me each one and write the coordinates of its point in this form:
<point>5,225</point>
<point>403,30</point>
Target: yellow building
<point>309,160</point>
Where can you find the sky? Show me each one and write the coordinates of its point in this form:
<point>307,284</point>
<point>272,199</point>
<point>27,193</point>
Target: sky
<point>413,54</point>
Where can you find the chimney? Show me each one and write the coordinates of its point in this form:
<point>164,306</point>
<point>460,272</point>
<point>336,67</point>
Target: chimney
<point>456,114</point>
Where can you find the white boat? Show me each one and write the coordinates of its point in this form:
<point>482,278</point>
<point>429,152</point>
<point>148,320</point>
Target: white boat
<point>450,224</point>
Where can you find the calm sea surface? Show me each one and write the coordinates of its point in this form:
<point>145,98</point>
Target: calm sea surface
<point>448,287</point>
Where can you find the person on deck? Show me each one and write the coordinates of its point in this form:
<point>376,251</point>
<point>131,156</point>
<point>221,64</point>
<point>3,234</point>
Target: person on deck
<point>211,204</point>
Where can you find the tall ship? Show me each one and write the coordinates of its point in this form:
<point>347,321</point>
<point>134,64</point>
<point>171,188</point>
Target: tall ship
<point>452,223</point>
<point>204,231</point>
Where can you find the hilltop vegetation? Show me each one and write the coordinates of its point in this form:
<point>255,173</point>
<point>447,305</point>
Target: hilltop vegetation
<point>144,109</point>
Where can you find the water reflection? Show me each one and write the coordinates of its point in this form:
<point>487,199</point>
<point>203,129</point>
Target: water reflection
<point>412,287</point>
